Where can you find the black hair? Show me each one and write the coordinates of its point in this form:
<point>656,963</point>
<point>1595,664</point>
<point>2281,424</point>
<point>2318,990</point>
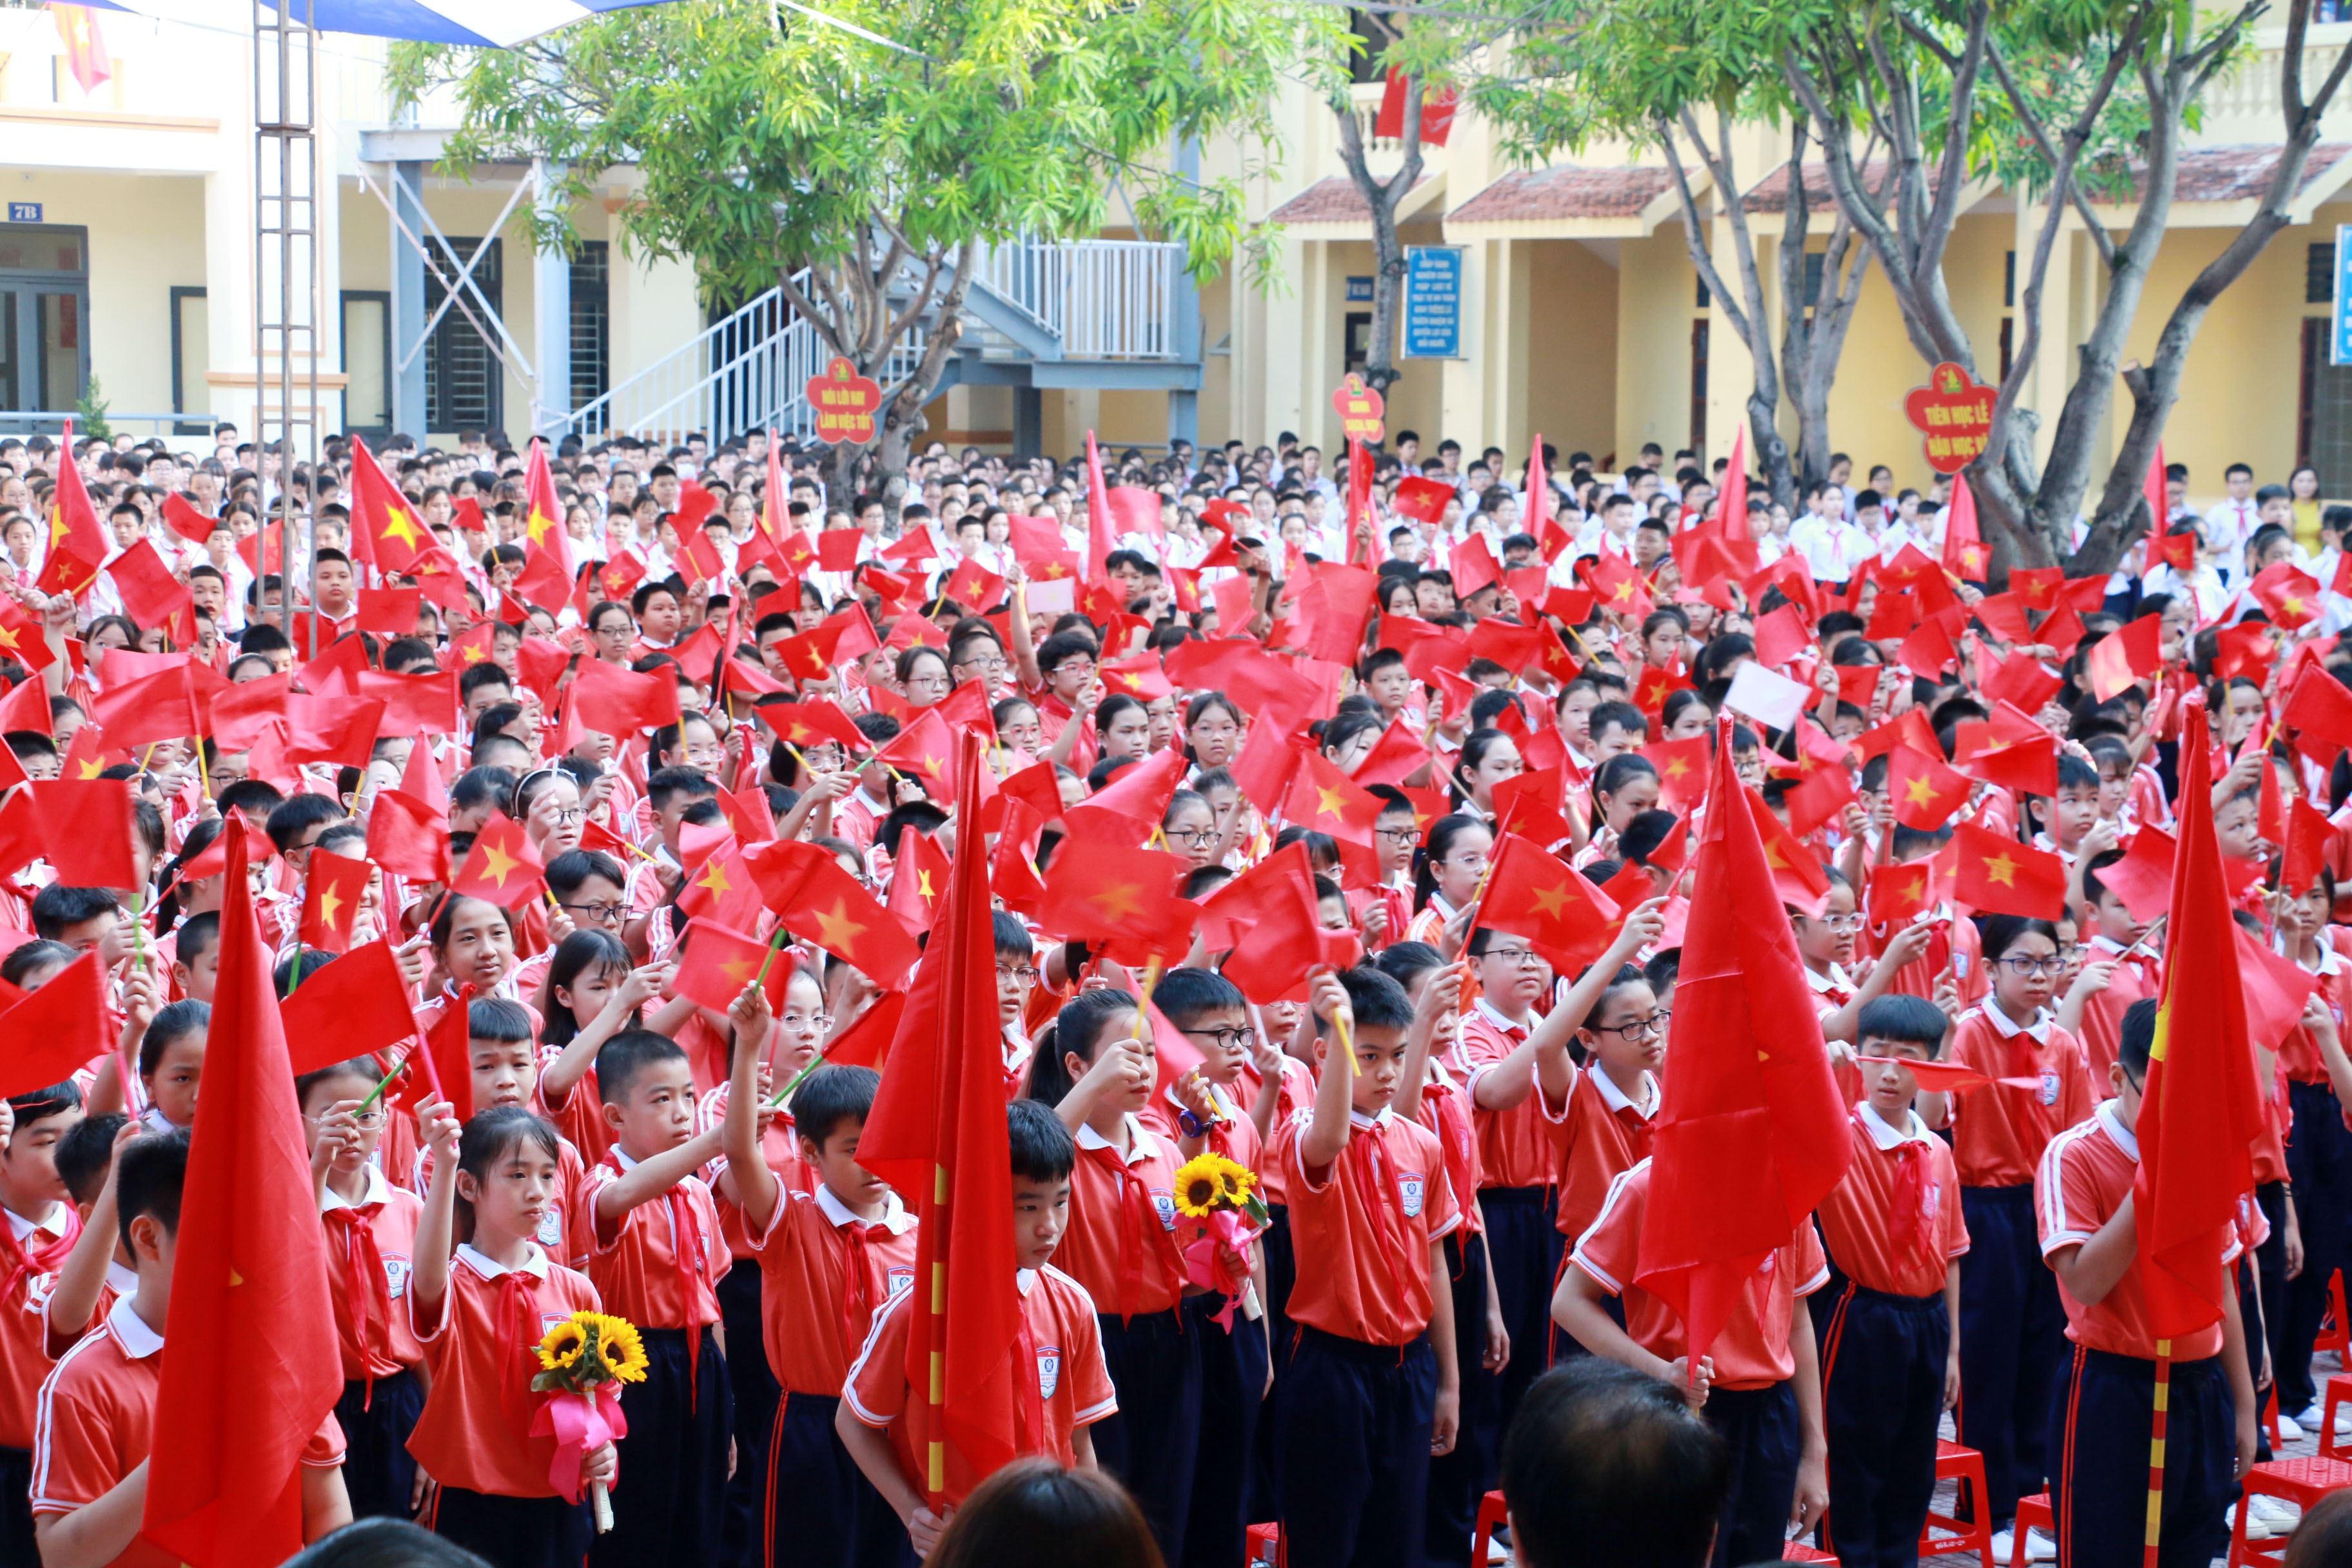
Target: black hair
<point>1075,1029</point>
<point>830,1096</point>
<point>56,908</point>
<point>35,1104</point>
<point>1183,995</point>
<point>1376,999</point>
<point>1606,1467</point>
<point>626,1055</point>
<point>86,1154</point>
<point>1040,1146</point>
<point>174,1022</point>
<point>577,954</point>
<point>2001,930</point>
<point>1895,1016</point>
<point>1406,961</point>
<point>2094,885</point>
<point>1010,934</point>
<point>486,1137</point>
<point>22,959</point>
<point>570,872</point>
<point>385,1543</point>
<point>295,815</point>
<point>2136,1038</point>
<point>495,1018</point>
<point>1035,1513</point>
<point>667,784</point>
<point>365,1068</point>
<point>154,1169</point>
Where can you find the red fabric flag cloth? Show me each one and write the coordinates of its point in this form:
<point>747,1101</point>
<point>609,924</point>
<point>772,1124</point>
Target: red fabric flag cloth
<point>2152,487</point>
<point>1750,1136</point>
<point>1328,801</point>
<point>1683,772</point>
<point>503,867</point>
<point>385,530</point>
<point>937,1132</point>
<point>1533,894</point>
<point>22,639</point>
<point>1339,600</point>
<point>389,612</point>
<point>150,593</point>
<point>2319,712</point>
<point>1997,874</point>
<point>157,707</point>
<point>2200,1109</point>
<point>544,512</point>
<point>2308,831</point>
<point>1474,566</point>
<point>414,704</point>
<point>1100,539</point>
<point>257,1370</point>
<point>1276,935</point>
<point>2275,988</point>
<point>356,1004</point>
<point>331,889</point>
<point>77,545</point>
<point>339,730</point>
<point>1122,900</point>
<point>2123,656</point>
<point>615,702</point>
<point>86,831</point>
<point>2142,878</point>
<point>1924,791</point>
<point>57,1030</point>
<point>1965,555</point>
<point>718,963</point>
<point>1899,890</point>
<point>1423,499</point>
<point>408,837</point>
<point>807,889</point>
<point>919,879</point>
<point>2289,594</point>
<point>1731,513</point>
<point>182,518</point>
<point>806,724</point>
<point>1131,805</point>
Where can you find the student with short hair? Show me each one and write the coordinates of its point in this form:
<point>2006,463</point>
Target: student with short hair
<point>94,1426</point>
<point>39,1233</point>
<point>2106,1408</point>
<point>1890,1364</point>
<point>1606,1468</point>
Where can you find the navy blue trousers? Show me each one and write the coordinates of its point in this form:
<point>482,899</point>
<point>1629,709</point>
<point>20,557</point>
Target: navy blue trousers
<point>1760,1431</point>
<point>670,1501</point>
<point>1882,1359</point>
<point>754,1388</point>
<point>817,1508</point>
<point>1353,1443</point>
<point>1459,1478</point>
<point>2100,1423</point>
<point>1232,1387</point>
<point>2319,1167</point>
<point>1281,1275</point>
<point>17,1547</point>
<point>515,1531</point>
<point>1523,1241</point>
<point>1153,1441</point>
<point>379,1472</point>
<point>2012,1343</point>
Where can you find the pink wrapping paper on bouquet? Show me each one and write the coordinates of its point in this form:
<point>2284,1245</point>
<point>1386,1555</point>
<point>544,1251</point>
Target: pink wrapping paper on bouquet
<point>1219,1239</point>
<point>580,1423</point>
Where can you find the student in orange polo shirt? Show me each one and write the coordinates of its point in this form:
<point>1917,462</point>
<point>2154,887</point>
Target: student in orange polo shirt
<point>1890,1365</point>
<point>1759,1385</point>
<point>482,1295</point>
<point>95,1423</point>
<point>2012,1329</point>
<point>1370,1388</point>
<point>41,1229</point>
<point>650,1229</point>
<point>828,1261</point>
<point>2100,1423</point>
<point>1058,1335</point>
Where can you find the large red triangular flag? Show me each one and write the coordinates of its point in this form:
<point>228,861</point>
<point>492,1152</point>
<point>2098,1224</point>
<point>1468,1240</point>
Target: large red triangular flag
<point>1750,1137</point>
<point>385,529</point>
<point>56,1031</point>
<point>937,1133</point>
<point>1965,555</point>
<point>77,545</point>
<point>1733,513</point>
<point>256,1370</point>
<point>2200,1109</point>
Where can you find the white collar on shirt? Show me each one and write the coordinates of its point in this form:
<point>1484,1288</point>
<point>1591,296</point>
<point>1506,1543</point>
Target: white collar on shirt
<point>2125,1138</point>
<point>120,1280</point>
<point>1836,979</point>
<point>1614,1098</point>
<point>1487,1010</point>
<point>130,1331</point>
<point>2109,945</point>
<point>54,1222</point>
<point>534,1261</point>
<point>2330,961</point>
<point>2039,1028</point>
<point>378,1191</point>
<point>1358,1118</point>
<point>621,1158</point>
<point>1887,1137</point>
<point>1024,1278</point>
<point>895,1218</point>
<point>1139,1140</point>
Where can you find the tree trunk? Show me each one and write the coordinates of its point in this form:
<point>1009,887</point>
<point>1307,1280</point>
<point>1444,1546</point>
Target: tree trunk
<point>1383,197</point>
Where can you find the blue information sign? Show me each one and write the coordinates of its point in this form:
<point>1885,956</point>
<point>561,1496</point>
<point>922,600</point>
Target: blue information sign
<point>1433,301</point>
<point>23,212</point>
<point>2339,314</point>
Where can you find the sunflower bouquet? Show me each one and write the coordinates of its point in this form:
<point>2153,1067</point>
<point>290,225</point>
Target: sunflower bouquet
<point>583,1360</point>
<point>1220,1197</point>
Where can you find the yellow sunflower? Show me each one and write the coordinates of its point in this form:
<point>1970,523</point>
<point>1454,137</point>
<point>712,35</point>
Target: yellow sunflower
<point>1209,1182</point>
<point>563,1346</point>
<point>1239,1181</point>
<point>619,1347</point>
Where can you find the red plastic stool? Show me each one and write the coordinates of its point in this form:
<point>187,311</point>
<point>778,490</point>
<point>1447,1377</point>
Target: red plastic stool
<point>1264,1546</point>
<point>2333,1333</point>
<point>2270,1417</point>
<point>1797,1552</point>
<point>2299,1481</point>
<point>1947,1534</point>
<point>1491,1512</point>
<point>2032,1512</point>
<point>2331,1447</point>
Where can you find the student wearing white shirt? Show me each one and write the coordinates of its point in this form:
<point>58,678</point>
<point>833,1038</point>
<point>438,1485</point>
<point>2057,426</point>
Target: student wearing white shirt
<point>2230,523</point>
<point>1832,545</point>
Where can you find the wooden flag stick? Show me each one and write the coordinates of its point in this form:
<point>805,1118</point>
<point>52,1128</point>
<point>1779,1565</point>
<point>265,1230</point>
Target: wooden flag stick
<point>2156,1454</point>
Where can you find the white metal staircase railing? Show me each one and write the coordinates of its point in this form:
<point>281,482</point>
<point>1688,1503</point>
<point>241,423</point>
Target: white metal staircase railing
<point>1081,299</point>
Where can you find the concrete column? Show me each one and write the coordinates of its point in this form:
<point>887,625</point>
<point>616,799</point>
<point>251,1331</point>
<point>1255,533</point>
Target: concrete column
<point>552,316</point>
<point>1184,403</point>
<point>408,299</point>
<point>1028,422</point>
<point>1460,400</point>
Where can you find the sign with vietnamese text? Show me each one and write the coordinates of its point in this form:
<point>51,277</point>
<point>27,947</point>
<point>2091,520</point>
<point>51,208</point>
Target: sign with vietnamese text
<point>1954,412</point>
<point>845,403</point>
<point>1359,408</point>
<point>1433,301</point>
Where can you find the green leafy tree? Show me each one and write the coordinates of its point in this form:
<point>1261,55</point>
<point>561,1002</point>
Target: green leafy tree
<point>1681,78</point>
<point>883,156</point>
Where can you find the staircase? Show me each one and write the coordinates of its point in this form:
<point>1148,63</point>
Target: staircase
<point>1092,312</point>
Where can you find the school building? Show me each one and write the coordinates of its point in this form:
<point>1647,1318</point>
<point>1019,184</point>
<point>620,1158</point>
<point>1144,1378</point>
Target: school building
<point>1562,299</point>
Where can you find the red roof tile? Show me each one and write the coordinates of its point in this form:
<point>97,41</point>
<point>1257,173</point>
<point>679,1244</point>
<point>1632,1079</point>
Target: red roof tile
<point>2240,173</point>
<point>1767,193</point>
<point>1564,191</point>
<point>1332,199</point>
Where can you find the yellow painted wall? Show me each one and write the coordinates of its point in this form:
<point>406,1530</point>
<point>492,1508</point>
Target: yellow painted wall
<point>1571,345</point>
<point>1658,294</point>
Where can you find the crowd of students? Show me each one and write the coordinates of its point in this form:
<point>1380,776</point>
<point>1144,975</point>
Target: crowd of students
<point>1373,692</point>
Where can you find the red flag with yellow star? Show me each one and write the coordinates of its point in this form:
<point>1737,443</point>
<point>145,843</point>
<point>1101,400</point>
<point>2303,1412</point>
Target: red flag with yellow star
<point>502,867</point>
<point>1534,894</point>
<point>718,961</point>
<point>542,510</point>
<point>1101,894</point>
<point>1965,555</point>
<point>386,531</point>
<point>23,639</point>
<point>807,889</point>
<point>1924,792</point>
<point>919,879</point>
<point>1683,768</point>
<point>720,885</point>
<point>333,887</point>
<point>77,544</point>
<point>922,751</point>
<point>1997,875</point>
<point>1326,800</point>
<point>85,54</point>
<point>1900,890</point>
